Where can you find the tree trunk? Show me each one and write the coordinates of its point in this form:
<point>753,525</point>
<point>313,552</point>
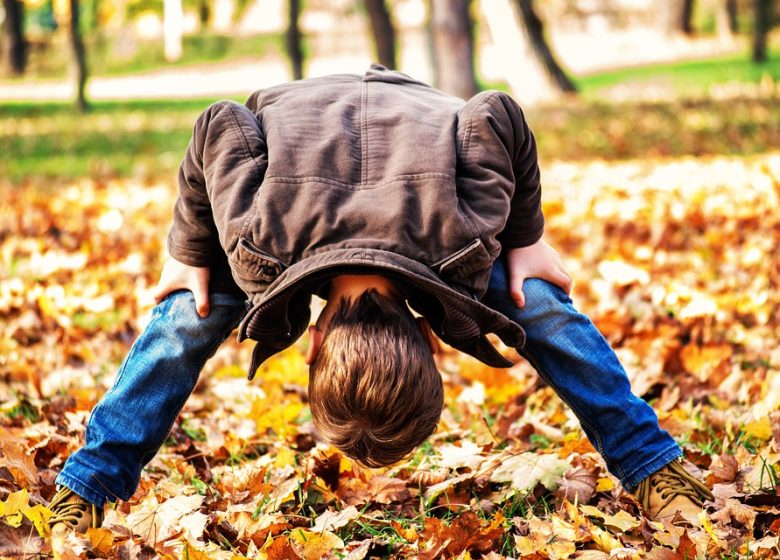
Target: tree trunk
<point>293,39</point>
<point>382,31</point>
<point>675,16</point>
<point>726,19</point>
<point>731,8</point>
<point>79,63</point>
<point>453,47</point>
<point>762,23</point>
<point>173,29</point>
<point>686,17</point>
<point>15,45</point>
<point>535,31</point>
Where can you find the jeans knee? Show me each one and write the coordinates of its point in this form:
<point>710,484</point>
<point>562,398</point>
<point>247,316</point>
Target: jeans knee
<point>542,293</point>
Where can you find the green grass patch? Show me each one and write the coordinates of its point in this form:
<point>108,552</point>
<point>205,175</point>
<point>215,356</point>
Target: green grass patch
<point>148,138</point>
<point>693,77</point>
<point>47,140</point>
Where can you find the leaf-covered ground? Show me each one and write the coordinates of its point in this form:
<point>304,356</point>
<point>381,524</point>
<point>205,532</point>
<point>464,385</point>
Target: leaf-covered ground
<point>677,261</point>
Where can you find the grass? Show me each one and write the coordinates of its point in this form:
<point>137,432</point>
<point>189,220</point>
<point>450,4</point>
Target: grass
<point>693,77</point>
<point>45,141</point>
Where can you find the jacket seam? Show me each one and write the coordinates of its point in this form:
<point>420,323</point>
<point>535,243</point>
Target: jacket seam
<point>363,132</point>
<point>352,186</point>
<point>252,210</point>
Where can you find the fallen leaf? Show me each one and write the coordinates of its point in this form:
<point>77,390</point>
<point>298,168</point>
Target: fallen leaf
<point>332,520</point>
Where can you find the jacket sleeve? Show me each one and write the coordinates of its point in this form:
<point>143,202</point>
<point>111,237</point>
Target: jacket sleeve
<point>525,224</point>
<point>226,151</point>
<point>499,152</point>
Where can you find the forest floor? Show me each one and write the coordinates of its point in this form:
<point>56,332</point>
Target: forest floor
<point>666,215</point>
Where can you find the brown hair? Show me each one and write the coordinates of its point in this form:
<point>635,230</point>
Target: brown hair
<point>374,389</point>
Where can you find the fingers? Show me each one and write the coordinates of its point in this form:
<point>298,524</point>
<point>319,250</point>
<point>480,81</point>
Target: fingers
<point>201,292</point>
<point>163,289</point>
<point>562,280</point>
<point>516,291</point>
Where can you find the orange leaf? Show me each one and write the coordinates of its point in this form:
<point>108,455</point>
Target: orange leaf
<point>102,540</point>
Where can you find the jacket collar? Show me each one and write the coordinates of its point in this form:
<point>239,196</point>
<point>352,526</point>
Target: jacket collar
<point>281,314</point>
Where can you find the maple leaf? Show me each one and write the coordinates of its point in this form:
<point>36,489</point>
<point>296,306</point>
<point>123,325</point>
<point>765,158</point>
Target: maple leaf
<point>526,470</point>
<point>157,522</point>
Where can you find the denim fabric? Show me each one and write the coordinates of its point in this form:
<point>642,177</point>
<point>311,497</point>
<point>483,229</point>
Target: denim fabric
<point>132,420</point>
<point>572,356</point>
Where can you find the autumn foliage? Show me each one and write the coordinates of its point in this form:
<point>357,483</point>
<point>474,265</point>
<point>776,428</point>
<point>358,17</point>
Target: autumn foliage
<point>677,262</point>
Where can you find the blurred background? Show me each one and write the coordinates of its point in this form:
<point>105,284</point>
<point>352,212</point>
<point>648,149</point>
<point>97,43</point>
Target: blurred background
<point>592,74</point>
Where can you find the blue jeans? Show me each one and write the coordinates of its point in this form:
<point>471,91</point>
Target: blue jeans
<point>132,420</point>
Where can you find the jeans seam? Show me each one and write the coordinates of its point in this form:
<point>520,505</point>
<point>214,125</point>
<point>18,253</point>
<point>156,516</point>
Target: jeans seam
<point>599,443</point>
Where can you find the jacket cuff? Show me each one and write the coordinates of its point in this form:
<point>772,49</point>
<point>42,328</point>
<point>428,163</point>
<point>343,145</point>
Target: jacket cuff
<point>189,254</point>
<point>517,240</point>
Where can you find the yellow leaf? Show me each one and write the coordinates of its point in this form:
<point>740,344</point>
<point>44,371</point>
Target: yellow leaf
<point>101,539</point>
<point>313,546</point>
<point>707,525</point>
<point>39,515</point>
<point>13,507</point>
<point>285,456</point>
<point>603,540</point>
<point>759,429</point>
<point>604,484</point>
<point>190,553</point>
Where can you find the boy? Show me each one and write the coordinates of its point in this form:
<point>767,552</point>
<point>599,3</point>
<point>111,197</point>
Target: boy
<point>375,192</point>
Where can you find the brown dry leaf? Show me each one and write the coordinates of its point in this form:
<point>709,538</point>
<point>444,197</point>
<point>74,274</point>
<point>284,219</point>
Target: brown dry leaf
<point>386,490</point>
<point>332,520</point>
<point>662,553</point>
<point>725,467</point>
<point>15,457</point>
<point>734,511</point>
<point>577,485</point>
<point>21,542</point>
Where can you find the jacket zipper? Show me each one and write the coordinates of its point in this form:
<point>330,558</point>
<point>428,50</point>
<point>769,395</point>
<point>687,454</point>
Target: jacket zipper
<point>449,260</point>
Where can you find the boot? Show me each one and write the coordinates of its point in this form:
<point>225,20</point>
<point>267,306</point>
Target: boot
<point>671,490</point>
<point>72,511</point>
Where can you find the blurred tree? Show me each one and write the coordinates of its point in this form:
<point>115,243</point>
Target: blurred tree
<point>173,29</point>
<point>763,13</point>
<point>79,62</point>
<point>453,47</point>
<point>293,39</point>
<point>535,33</point>
<point>382,31</point>
<point>726,18</point>
<point>14,42</point>
<point>675,16</point>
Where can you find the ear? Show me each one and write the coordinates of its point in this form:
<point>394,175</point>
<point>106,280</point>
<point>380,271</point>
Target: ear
<point>315,343</point>
<point>425,327</point>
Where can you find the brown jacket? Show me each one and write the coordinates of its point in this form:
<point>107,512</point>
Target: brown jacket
<point>376,172</point>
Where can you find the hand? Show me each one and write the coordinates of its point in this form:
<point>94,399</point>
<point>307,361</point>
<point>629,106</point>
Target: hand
<point>535,261</point>
<point>179,276</point>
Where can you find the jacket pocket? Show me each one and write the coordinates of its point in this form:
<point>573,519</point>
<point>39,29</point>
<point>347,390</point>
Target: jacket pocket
<point>462,267</point>
<point>252,268</point>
